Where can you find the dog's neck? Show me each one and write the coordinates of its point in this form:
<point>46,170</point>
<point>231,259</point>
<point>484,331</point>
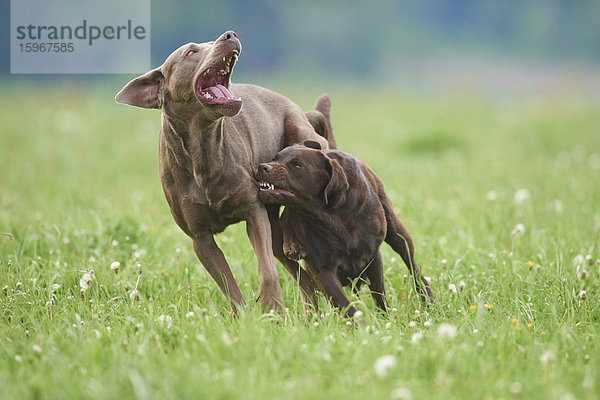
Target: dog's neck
<point>196,143</point>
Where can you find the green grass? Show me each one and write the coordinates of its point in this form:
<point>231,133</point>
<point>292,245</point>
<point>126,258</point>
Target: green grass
<point>79,190</point>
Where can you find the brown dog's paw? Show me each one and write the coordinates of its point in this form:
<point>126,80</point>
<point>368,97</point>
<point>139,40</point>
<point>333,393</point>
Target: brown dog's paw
<point>293,252</point>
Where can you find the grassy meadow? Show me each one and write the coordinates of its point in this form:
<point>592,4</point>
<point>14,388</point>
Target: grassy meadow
<point>501,198</point>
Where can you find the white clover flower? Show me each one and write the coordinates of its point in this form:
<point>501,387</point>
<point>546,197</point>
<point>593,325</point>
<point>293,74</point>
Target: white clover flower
<point>416,337</point>
<point>358,314</point>
<point>547,357</point>
<point>189,314</point>
<point>412,324</point>
<point>452,289</point>
<point>56,287</point>
<point>85,280</point>
<point>115,267</point>
<point>401,393</point>
<point>166,320</point>
<point>134,295</point>
<point>462,285</point>
<point>578,260</point>
<point>446,331</point>
<point>384,364</point>
<point>519,230</point>
<point>36,348</point>
<point>558,206</point>
<point>491,195</point>
<point>521,196</point>
<point>427,324</point>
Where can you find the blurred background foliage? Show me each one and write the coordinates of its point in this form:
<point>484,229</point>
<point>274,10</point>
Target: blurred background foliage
<point>493,47</point>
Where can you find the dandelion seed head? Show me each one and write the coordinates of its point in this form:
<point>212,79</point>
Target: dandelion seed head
<point>384,364</point>
<point>85,280</point>
<point>519,229</point>
<point>134,295</point>
<point>522,195</point>
<point>401,393</point>
<point>416,337</point>
<point>115,267</point>
<point>452,289</point>
<point>547,357</point>
<point>446,331</point>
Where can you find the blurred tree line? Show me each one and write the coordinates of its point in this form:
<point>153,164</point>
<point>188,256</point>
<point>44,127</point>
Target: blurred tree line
<point>364,38</point>
<point>354,38</point>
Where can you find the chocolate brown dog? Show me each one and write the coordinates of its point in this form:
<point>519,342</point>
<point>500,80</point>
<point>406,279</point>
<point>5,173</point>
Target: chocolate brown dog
<point>209,149</point>
<point>336,216</point>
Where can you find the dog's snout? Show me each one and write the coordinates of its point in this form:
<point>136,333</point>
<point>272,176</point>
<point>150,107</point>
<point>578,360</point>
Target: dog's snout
<point>229,35</point>
<point>265,168</point>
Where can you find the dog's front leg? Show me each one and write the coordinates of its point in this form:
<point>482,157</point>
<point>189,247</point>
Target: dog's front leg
<point>300,276</point>
<point>259,233</point>
<point>212,258</point>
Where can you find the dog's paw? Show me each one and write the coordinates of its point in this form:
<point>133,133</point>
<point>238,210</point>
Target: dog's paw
<point>293,251</point>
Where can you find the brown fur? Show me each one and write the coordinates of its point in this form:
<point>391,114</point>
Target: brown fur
<point>336,217</point>
<point>209,149</point>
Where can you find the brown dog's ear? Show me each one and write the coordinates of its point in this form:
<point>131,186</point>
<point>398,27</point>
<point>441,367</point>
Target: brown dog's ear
<point>338,182</point>
<point>312,144</point>
<point>143,91</point>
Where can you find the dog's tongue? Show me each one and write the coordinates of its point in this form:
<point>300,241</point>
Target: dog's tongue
<point>220,91</point>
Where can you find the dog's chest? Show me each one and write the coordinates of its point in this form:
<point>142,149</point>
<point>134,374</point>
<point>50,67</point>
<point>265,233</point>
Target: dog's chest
<point>222,202</point>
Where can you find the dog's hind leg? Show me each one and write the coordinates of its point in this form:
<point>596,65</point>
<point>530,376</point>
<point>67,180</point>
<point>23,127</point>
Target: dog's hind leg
<point>399,239</point>
<point>374,273</point>
<point>300,276</point>
<point>320,119</point>
<point>212,258</point>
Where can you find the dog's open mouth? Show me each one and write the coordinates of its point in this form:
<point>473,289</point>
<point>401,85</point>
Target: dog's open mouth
<point>269,188</point>
<point>212,85</point>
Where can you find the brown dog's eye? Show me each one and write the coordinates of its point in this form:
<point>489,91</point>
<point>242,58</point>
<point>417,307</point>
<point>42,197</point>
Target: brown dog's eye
<point>297,165</point>
<point>190,52</point>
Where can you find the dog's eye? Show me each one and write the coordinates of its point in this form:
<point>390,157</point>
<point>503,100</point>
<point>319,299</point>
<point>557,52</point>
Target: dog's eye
<point>297,165</point>
<point>190,52</point>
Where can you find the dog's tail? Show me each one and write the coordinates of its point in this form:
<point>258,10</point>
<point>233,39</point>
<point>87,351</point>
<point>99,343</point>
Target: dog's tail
<point>320,119</point>
<point>400,240</point>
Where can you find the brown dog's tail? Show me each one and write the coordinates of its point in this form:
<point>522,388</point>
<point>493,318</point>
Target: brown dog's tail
<point>320,119</point>
<point>400,240</point>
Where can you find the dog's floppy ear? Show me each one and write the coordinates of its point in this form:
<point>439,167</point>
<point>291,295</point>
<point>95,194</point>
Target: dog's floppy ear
<point>143,91</point>
<point>338,182</point>
<point>312,144</point>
